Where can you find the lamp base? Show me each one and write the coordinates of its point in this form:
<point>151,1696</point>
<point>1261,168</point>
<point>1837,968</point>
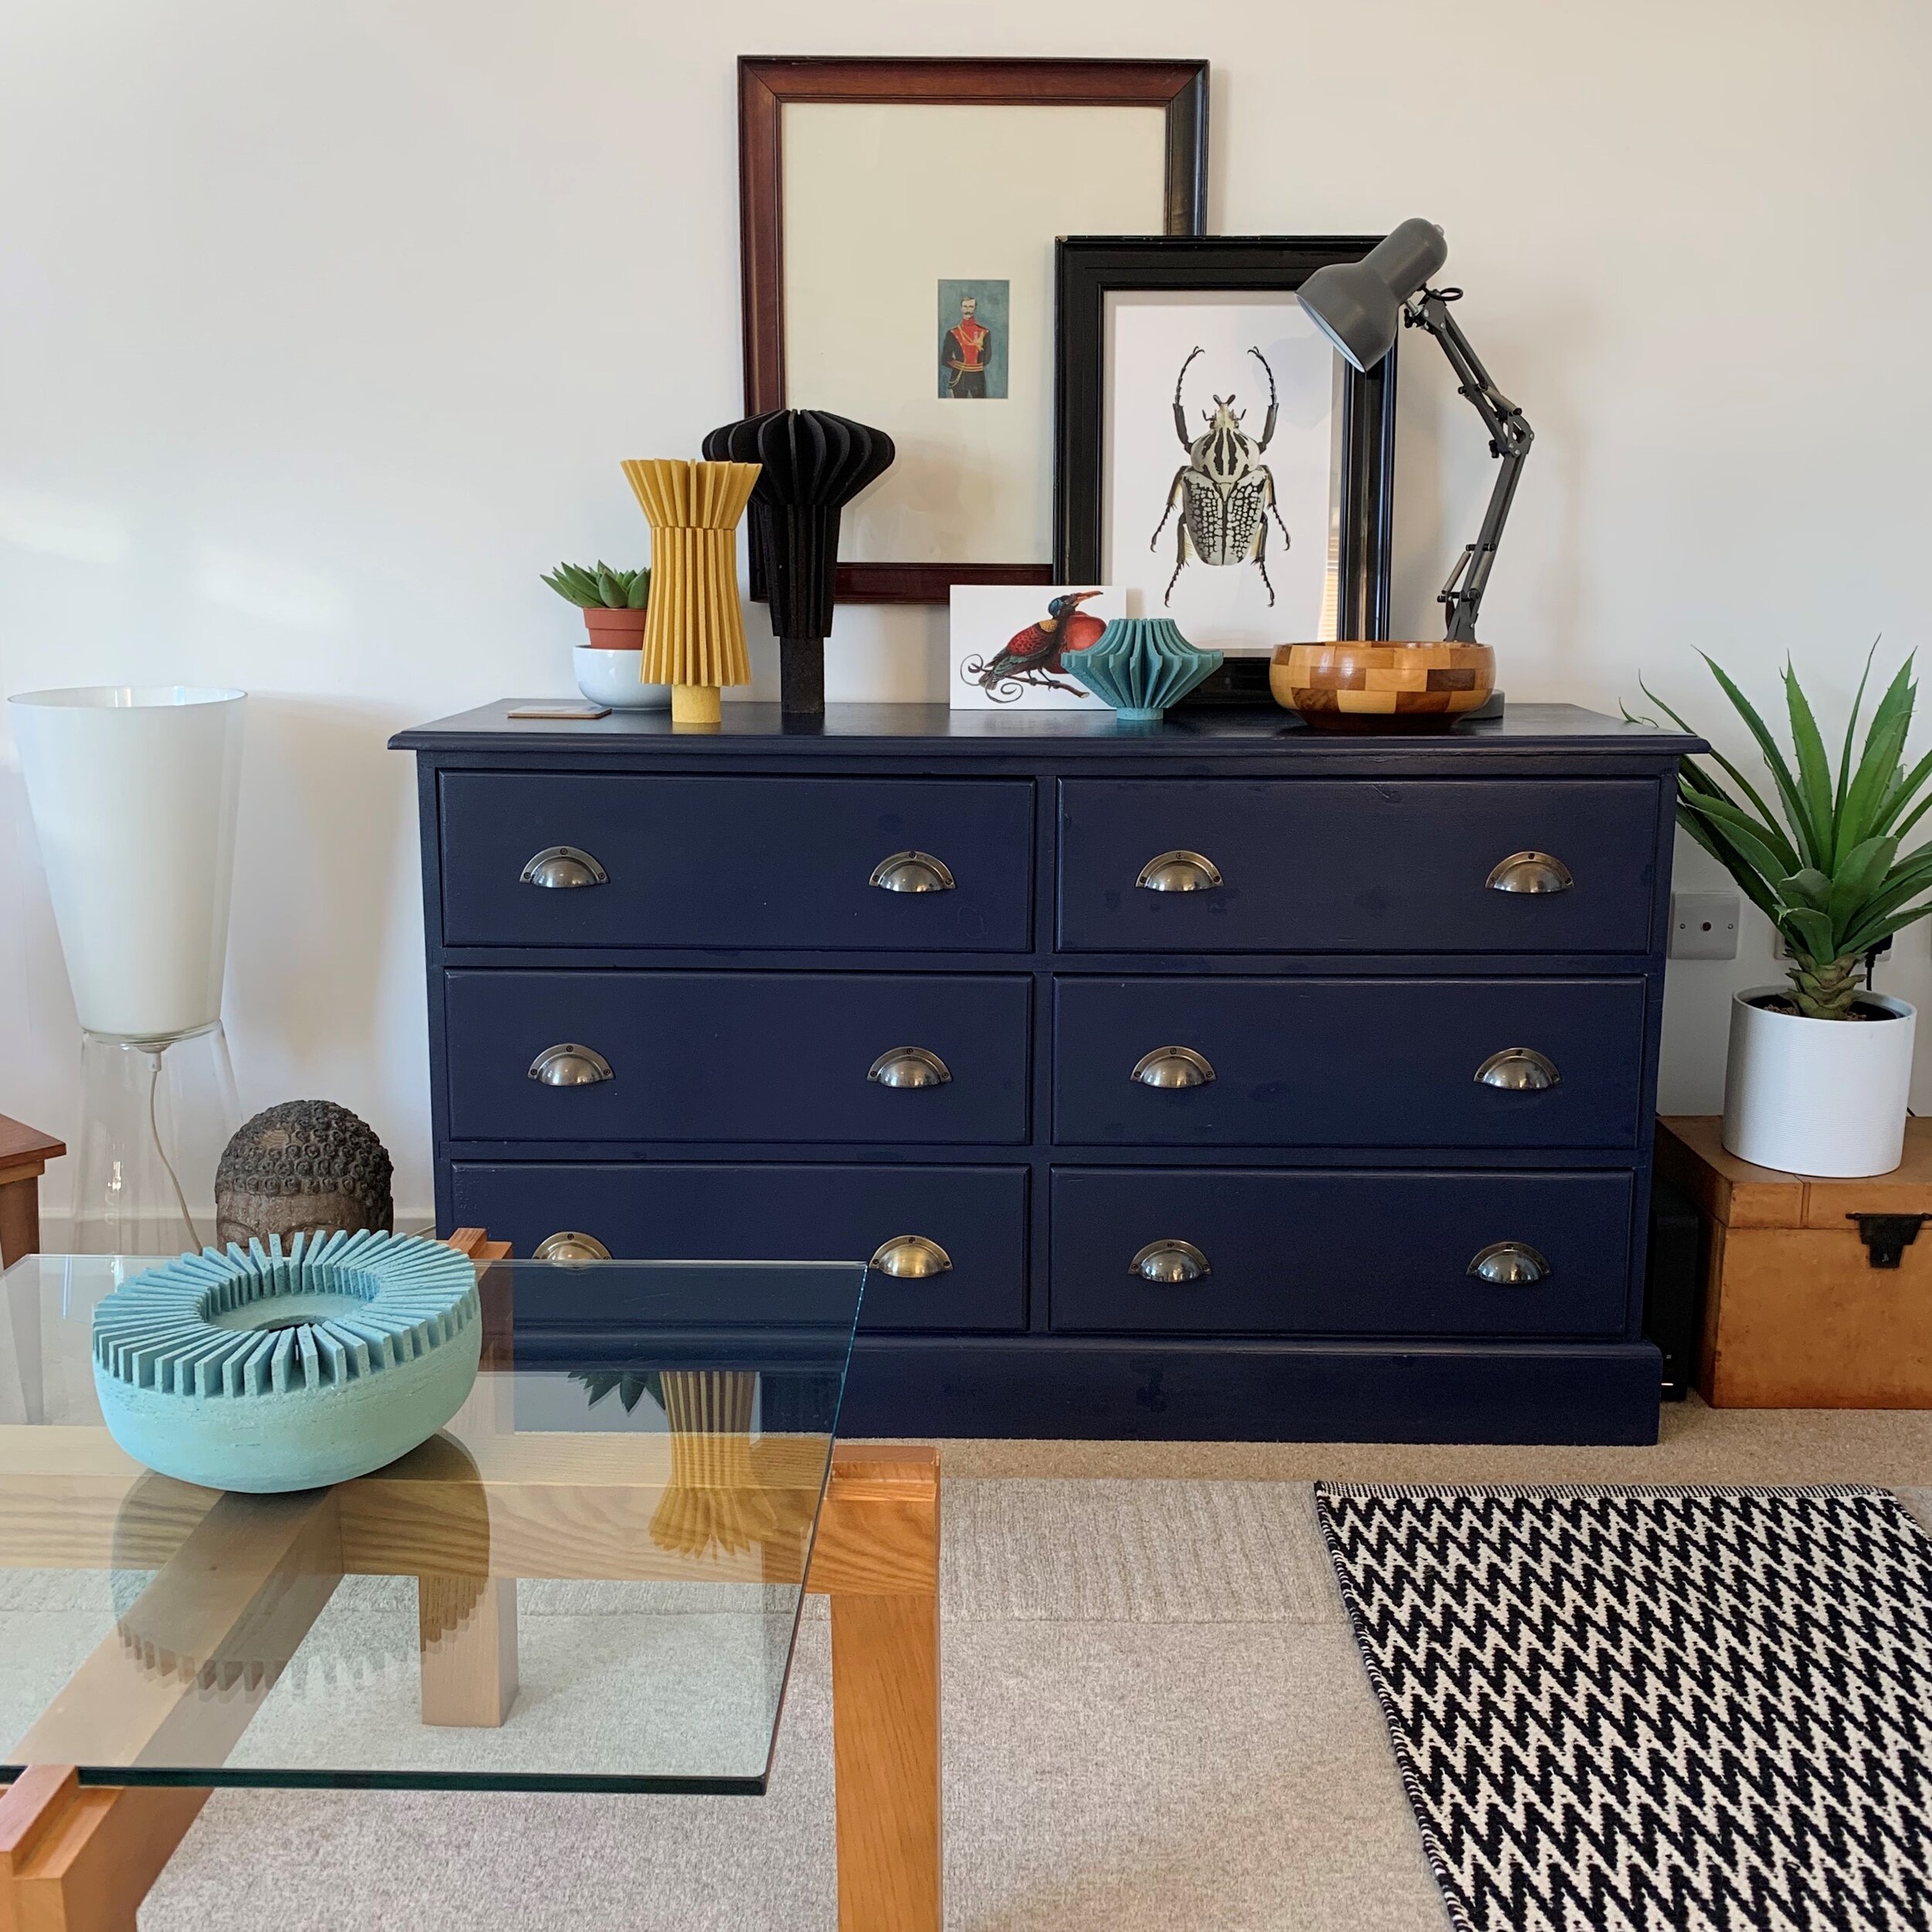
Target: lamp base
<point>154,1117</point>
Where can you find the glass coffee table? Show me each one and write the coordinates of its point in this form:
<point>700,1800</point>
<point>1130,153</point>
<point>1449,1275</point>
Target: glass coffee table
<point>591,1580</point>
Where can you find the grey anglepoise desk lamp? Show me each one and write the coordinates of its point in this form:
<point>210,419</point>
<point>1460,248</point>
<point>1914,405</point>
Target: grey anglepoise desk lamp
<point>1359,306</point>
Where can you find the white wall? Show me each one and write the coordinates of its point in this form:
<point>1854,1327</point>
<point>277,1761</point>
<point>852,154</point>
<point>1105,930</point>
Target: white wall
<point>323,326</point>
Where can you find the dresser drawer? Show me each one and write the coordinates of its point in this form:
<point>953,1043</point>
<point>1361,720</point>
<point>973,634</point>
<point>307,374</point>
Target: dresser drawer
<point>1337,1253</point>
<point>976,1216</point>
<point>736,1056</point>
<point>737,862</point>
<point>1348,1062</point>
<point>1355,865</point>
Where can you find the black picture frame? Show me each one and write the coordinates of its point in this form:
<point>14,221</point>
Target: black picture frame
<point>1087,269</point>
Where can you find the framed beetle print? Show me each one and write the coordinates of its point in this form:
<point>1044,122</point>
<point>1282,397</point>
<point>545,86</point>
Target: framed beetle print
<point>1216,457</point>
<point>899,220</point>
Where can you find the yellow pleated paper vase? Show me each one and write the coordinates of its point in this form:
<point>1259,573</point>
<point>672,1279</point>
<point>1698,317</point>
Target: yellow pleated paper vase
<point>694,637</point>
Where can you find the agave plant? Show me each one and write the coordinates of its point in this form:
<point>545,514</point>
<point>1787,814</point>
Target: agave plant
<point>1827,870</point>
<point>630,1386</point>
<point>602,587</point>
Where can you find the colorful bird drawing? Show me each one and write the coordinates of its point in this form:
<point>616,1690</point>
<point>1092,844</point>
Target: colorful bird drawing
<point>1037,656</point>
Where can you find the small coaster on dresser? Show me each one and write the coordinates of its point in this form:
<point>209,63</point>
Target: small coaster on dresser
<point>1652,1707</point>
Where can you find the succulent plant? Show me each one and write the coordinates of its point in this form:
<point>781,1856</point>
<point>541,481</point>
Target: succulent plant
<point>630,1386</point>
<point>1827,869</point>
<point>602,588</point>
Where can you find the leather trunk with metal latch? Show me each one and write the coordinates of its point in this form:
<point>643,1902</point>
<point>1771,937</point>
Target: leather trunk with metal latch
<point>1818,1292</point>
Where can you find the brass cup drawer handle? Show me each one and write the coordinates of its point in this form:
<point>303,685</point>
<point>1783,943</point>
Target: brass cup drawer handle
<point>1531,872</point>
<point>561,866</point>
<point>909,1066</point>
<point>1522,1069</point>
<point>1173,1066</point>
<point>911,1257</point>
<point>1179,872</point>
<point>569,1244</point>
<point>1511,1265</point>
<point>913,871</point>
<point>567,1064</point>
<point>1169,1262</point>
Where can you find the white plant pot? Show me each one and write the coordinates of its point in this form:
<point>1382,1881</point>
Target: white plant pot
<point>616,678</point>
<point>133,790</point>
<point>1817,1096</point>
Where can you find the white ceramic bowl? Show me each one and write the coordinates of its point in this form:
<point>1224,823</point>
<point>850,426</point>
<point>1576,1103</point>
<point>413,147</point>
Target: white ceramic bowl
<point>615,678</point>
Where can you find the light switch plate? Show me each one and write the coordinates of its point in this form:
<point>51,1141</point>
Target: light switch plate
<point>1704,925</point>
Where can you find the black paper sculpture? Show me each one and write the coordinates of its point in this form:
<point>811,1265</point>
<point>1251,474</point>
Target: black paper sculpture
<point>814,463</point>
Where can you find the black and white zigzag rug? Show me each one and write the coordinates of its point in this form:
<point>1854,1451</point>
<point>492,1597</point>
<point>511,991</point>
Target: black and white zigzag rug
<point>1630,1709</point>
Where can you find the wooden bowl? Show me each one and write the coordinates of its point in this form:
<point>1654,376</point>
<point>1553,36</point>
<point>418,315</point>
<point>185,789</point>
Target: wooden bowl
<point>1364,686</point>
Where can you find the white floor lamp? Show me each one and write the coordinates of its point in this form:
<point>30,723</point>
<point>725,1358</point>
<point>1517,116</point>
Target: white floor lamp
<point>133,790</point>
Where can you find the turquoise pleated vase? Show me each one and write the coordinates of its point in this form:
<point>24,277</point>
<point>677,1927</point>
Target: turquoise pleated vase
<point>1141,666</point>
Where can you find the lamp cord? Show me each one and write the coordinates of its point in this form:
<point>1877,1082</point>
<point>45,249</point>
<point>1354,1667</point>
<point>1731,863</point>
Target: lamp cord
<point>154,1128</point>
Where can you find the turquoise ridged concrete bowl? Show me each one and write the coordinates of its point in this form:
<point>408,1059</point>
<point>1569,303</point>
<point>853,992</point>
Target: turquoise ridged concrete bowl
<point>269,1370</point>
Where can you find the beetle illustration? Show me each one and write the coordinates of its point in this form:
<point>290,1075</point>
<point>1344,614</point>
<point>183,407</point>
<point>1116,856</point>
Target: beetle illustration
<point>1224,490</point>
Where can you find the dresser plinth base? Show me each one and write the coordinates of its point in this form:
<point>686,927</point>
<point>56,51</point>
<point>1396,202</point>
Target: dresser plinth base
<point>1119,1389</point>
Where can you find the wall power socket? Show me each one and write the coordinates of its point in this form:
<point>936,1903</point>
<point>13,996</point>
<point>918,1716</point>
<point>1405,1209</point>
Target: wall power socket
<point>1704,925</point>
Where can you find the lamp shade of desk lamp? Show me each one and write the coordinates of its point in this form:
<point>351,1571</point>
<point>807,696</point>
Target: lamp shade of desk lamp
<point>1358,305</point>
<point>811,463</point>
<point>694,638</point>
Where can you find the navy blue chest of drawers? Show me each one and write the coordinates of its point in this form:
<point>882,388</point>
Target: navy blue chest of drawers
<point>1215,1080</point>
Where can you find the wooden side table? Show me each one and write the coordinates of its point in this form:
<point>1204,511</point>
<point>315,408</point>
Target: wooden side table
<point>1818,1291</point>
<point>24,1155</point>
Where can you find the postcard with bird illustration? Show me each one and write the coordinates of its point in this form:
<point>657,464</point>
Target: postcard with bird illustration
<point>1015,646</point>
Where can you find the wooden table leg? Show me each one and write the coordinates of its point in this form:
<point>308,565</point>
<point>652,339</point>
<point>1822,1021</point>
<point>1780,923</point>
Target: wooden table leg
<point>876,1556</point>
<point>76,1858</point>
<point>175,1683</point>
<point>468,1633</point>
<point>466,1624</point>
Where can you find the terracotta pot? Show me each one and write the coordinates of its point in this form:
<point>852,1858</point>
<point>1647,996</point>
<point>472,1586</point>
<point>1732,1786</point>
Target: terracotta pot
<point>1373,687</point>
<point>615,630</point>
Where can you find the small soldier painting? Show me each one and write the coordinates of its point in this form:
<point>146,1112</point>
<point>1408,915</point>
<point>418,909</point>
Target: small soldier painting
<point>972,340</point>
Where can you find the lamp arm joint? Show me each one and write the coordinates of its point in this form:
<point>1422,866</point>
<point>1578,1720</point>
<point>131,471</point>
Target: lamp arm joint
<point>1508,430</point>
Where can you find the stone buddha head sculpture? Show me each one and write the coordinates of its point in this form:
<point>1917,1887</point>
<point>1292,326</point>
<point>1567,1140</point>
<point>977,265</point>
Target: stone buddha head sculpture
<point>305,1166</point>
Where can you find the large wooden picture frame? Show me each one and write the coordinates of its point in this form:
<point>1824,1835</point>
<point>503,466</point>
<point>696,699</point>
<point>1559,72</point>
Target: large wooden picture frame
<point>1090,269</point>
<point>768,85</point>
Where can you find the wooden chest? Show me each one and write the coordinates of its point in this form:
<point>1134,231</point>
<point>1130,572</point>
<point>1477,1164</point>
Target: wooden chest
<point>1817,1293</point>
<point>1280,1086</point>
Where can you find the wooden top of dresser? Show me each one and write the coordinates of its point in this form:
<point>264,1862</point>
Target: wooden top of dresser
<point>932,729</point>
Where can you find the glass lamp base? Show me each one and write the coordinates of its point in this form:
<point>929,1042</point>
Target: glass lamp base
<point>154,1117</point>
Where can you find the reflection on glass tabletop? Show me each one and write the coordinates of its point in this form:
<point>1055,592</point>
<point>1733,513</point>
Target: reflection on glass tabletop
<point>590,1580</point>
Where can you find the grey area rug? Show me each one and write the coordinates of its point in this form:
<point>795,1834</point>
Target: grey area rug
<point>1155,1718</point>
<point>1648,1708</point>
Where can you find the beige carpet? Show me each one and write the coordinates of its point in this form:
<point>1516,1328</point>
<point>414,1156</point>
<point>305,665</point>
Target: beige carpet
<point>1154,1723</point>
